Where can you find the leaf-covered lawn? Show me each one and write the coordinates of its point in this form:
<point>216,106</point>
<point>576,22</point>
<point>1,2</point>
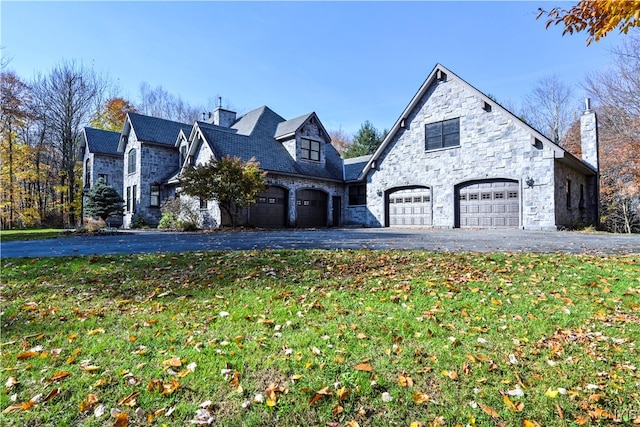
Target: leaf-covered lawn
<point>335,338</point>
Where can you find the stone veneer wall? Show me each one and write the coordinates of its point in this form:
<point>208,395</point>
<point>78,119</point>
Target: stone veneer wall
<point>580,211</point>
<point>154,164</point>
<point>110,166</point>
<point>492,145</point>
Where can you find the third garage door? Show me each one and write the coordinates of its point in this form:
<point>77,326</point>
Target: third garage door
<point>490,204</point>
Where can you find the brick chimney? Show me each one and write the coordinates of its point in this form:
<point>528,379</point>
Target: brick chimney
<point>589,136</point>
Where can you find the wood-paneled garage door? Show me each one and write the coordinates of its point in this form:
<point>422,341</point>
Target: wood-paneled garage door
<point>490,204</point>
<point>410,207</point>
<point>270,209</point>
<point>311,208</point>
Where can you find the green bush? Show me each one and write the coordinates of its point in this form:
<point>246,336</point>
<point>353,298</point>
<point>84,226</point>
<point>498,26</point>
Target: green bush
<point>186,225</point>
<point>139,220</point>
<point>167,221</point>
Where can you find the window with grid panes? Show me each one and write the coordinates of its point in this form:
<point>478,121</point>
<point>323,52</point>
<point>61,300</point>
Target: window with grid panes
<point>442,134</point>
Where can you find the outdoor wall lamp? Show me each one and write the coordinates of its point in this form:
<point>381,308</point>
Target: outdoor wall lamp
<point>379,193</point>
<point>530,182</point>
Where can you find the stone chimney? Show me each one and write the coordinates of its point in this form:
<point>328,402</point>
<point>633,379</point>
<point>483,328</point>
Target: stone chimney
<point>222,117</point>
<point>589,136</point>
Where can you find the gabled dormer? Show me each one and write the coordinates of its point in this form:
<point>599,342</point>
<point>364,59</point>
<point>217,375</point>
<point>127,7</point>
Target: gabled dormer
<point>304,138</point>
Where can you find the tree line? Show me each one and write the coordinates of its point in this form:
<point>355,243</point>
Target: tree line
<point>41,124</point>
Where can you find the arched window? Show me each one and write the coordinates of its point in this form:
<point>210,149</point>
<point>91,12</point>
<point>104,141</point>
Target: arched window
<point>87,172</point>
<point>131,161</point>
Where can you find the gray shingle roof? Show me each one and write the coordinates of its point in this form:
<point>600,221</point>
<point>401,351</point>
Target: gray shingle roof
<point>102,141</point>
<point>290,126</point>
<point>155,130</point>
<point>252,136</point>
<point>353,167</point>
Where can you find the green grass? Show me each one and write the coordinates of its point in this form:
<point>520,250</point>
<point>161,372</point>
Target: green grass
<point>386,337</point>
<point>31,234</point>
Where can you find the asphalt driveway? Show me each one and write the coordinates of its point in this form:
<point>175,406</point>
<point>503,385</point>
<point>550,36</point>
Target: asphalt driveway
<point>449,240</point>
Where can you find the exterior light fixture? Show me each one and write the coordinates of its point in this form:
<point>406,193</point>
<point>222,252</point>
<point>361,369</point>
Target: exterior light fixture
<point>530,182</point>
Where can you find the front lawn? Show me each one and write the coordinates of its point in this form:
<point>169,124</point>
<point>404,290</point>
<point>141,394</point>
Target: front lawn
<point>31,234</point>
<point>335,338</point>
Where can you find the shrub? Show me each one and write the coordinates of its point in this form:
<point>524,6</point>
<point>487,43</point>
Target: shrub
<point>140,220</point>
<point>167,221</point>
<point>183,210</point>
<point>187,225</point>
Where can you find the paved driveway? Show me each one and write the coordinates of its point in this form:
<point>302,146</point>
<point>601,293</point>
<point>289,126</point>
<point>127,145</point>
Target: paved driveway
<point>450,240</point>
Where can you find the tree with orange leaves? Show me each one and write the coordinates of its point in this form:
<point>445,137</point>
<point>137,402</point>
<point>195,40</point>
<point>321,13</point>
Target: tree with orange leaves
<point>597,17</point>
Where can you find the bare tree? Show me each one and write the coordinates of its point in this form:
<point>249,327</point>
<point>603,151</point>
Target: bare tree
<point>550,108</point>
<point>157,102</point>
<point>340,140</point>
<point>64,100</point>
<point>616,94</point>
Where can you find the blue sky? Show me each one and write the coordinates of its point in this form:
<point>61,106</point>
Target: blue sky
<point>347,61</point>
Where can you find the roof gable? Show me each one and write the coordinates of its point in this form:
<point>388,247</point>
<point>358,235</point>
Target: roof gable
<point>99,141</point>
<point>438,73</point>
<point>289,128</point>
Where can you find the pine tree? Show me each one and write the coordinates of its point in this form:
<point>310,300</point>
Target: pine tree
<point>103,201</point>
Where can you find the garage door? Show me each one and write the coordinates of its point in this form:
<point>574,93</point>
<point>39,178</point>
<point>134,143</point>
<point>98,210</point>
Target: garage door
<point>491,204</point>
<point>270,210</point>
<point>311,208</point>
<point>410,207</point>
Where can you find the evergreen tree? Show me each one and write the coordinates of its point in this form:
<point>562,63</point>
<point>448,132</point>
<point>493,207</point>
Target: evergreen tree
<point>365,141</point>
<point>103,201</point>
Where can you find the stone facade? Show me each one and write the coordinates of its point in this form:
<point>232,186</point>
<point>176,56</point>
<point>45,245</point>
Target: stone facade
<point>492,150</point>
<point>154,164</point>
<point>493,145</point>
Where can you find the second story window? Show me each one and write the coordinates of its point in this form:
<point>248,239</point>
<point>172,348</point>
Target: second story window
<point>131,161</point>
<point>442,134</point>
<point>310,150</point>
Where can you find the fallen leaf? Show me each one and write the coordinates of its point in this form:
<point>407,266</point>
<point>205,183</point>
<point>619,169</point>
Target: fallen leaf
<point>322,392</point>
<point>27,354</point>
<point>516,406</point>
<point>59,376</point>
<point>174,362</point>
<point>122,420</point>
<point>488,410</point>
<point>363,367</point>
<point>11,383</point>
<point>552,393</point>
<point>53,393</point>
<point>89,402</point>
<point>129,400</point>
<point>418,398</point>
<point>405,380</point>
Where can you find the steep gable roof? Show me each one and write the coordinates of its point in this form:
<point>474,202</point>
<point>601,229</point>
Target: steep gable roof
<point>440,72</point>
<point>154,130</point>
<point>288,128</point>
<point>99,141</point>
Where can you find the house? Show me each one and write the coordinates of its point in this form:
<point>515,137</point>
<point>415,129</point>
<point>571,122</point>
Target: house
<point>453,158</point>
<point>101,160</point>
<point>456,158</point>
